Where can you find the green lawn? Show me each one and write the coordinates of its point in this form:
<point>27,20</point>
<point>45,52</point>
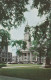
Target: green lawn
<point>34,73</point>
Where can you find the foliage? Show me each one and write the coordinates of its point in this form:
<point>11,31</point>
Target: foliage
<point>20,43</point>
<point>40,35</point>
<point>42,5</point>
<point>35,53</point>
<point>2,65</point>
<point>14,43</point>
<point>24,45</point>
<point>4,34</point>
<point>11,12</point>
<point>27,28</point>
<point>19,52</point>
<point>5,37</point>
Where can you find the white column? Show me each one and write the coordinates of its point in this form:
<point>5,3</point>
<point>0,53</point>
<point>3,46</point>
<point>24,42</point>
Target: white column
<point>30,57</point>
<point>27,56</point>
<point>18,58</point>
<point>36,58</point>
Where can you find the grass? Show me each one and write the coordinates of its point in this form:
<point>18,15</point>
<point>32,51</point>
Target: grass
<point>20,64</point>
<point>29,65</point>
<point>33,73</point>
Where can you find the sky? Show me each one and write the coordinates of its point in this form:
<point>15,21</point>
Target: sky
<point>32,19</point>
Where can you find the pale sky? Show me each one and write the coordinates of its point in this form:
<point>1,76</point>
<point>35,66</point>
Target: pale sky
<point>32,19</point>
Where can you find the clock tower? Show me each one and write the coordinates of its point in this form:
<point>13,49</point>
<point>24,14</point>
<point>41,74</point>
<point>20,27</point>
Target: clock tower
<point>27,36</point>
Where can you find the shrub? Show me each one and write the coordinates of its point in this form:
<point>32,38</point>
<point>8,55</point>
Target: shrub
<point>2,65</point>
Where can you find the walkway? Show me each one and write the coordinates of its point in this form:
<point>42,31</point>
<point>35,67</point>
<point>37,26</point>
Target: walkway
<point>16,66</point>
<point>10,78</point>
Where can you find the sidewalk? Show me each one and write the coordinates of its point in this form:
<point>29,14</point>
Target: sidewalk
<point>10,78</point>
<point>16,66</point>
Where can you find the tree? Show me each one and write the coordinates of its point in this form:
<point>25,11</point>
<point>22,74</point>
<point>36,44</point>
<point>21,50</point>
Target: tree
<point>40,38</point>
<point>44,8</point>
<point>5,37</point>
<point>24,45</point>
<point>18,44</point>
<point>11,12</point>
<point>19,52</point>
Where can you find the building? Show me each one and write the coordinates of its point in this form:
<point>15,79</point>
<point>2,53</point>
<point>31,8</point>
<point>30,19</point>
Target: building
<point>14,59</point>
<point>5,56</point>
<point>26,56</point>
<point>9,57</point>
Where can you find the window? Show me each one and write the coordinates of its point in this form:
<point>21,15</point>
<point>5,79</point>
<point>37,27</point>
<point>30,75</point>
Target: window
<point>25,54</point>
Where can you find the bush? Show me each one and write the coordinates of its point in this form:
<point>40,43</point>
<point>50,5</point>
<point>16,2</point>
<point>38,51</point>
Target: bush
<point>2,65</point>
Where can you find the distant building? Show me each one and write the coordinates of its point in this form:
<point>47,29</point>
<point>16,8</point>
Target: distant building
<point>26,56</point>
<point>14,59</point>
<point>5,56</point>
<point>9,57</point>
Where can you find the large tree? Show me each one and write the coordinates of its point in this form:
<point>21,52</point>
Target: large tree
<point>5,40</point>
<point>42,5</point>
<point>40,38</point>
<point>11,12</point>
<point>44,8</point>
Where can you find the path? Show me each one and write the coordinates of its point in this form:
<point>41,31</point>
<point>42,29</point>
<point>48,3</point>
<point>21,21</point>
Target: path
<point>10,78</point>
<point>16,66</point>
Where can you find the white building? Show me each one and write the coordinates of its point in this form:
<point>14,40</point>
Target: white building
<point>14,59</point>
<point>26,56</point>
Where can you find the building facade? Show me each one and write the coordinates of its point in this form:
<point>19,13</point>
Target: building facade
<point>14,59</point>
<point>5,56</point>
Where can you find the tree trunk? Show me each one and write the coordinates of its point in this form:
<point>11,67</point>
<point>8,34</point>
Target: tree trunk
<point>47,63</point>
<point>40,58</point>
<point>16,58</point>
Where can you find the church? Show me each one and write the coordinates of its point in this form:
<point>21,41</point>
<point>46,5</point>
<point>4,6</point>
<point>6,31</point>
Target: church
<point>26,56</point>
